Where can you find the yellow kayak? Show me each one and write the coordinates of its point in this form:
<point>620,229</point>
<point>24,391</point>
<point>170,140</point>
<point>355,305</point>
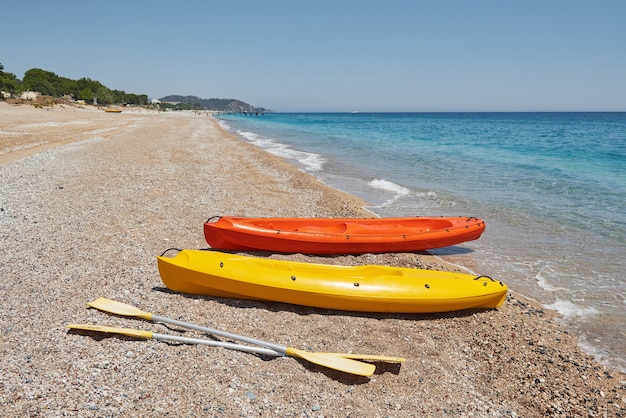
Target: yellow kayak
<point>368,288</point>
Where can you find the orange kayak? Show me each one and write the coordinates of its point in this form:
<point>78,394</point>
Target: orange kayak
<point>339,235</point>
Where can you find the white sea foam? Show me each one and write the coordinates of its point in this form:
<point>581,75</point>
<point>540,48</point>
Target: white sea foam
<point>602,356</point>
<point>570,310</point>
<point>389,186</point>
<point>223,124</point>
<point>310,161</point>
<point>544,283</point>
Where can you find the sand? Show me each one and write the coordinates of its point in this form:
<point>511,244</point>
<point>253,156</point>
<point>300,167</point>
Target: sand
<point>88,199</point>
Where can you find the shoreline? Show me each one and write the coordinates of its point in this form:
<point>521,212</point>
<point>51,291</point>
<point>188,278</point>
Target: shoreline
<point>86,218</point>
<point>542,272</point>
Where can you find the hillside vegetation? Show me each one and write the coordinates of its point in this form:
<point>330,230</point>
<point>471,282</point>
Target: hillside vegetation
<point>91,91</point>
<point>50,84</point>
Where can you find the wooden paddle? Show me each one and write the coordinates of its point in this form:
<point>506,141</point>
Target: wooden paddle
<point>331,360</point>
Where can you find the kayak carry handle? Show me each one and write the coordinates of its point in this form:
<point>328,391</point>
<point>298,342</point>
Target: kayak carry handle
<point>487,277</point>
<point>213,217</point>
<point>170,249</point>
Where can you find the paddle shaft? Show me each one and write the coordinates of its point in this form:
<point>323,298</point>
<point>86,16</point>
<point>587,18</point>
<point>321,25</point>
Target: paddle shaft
<point>331,361</point>
<point>231,346</point>
<point>279,349</point>
<point>137,333</point>
<point>326,359</point>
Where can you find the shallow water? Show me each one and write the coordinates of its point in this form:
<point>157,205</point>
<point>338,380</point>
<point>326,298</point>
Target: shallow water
<point>551,187</point>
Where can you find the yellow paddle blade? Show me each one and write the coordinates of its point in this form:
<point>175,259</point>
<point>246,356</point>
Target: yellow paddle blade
<point>110,330</point>
<point>119,308</point>
<point>334,362</point>
<point>368,357</point>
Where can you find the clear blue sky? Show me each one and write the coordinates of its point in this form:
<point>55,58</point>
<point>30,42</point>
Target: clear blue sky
<point>334,55</point>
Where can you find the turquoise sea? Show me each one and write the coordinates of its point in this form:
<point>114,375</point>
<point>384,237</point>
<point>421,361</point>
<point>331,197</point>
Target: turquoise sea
<point>550,186</point>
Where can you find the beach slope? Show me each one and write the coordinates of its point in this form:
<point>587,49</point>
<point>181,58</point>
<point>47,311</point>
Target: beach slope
<point>88,199</point>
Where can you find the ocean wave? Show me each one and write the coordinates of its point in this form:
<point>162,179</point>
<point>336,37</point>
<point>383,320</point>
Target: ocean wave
<point>310,161</point>
<point>223,124</point>
<point>570,310</point>
<point>602,356</point>
<point>545,284</point>
<point>389,186</point>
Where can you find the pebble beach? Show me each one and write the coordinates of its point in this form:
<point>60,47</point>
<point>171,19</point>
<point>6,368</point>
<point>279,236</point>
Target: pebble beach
<point>88,199</point>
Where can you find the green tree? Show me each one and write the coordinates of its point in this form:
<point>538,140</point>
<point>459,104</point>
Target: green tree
<point>104,95</point>
<point>41,81</point>
<point>135,99</point>
<point>67,86</point>
<point>89,89</point>
<point>8,81</point>
<point>85,94</point>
